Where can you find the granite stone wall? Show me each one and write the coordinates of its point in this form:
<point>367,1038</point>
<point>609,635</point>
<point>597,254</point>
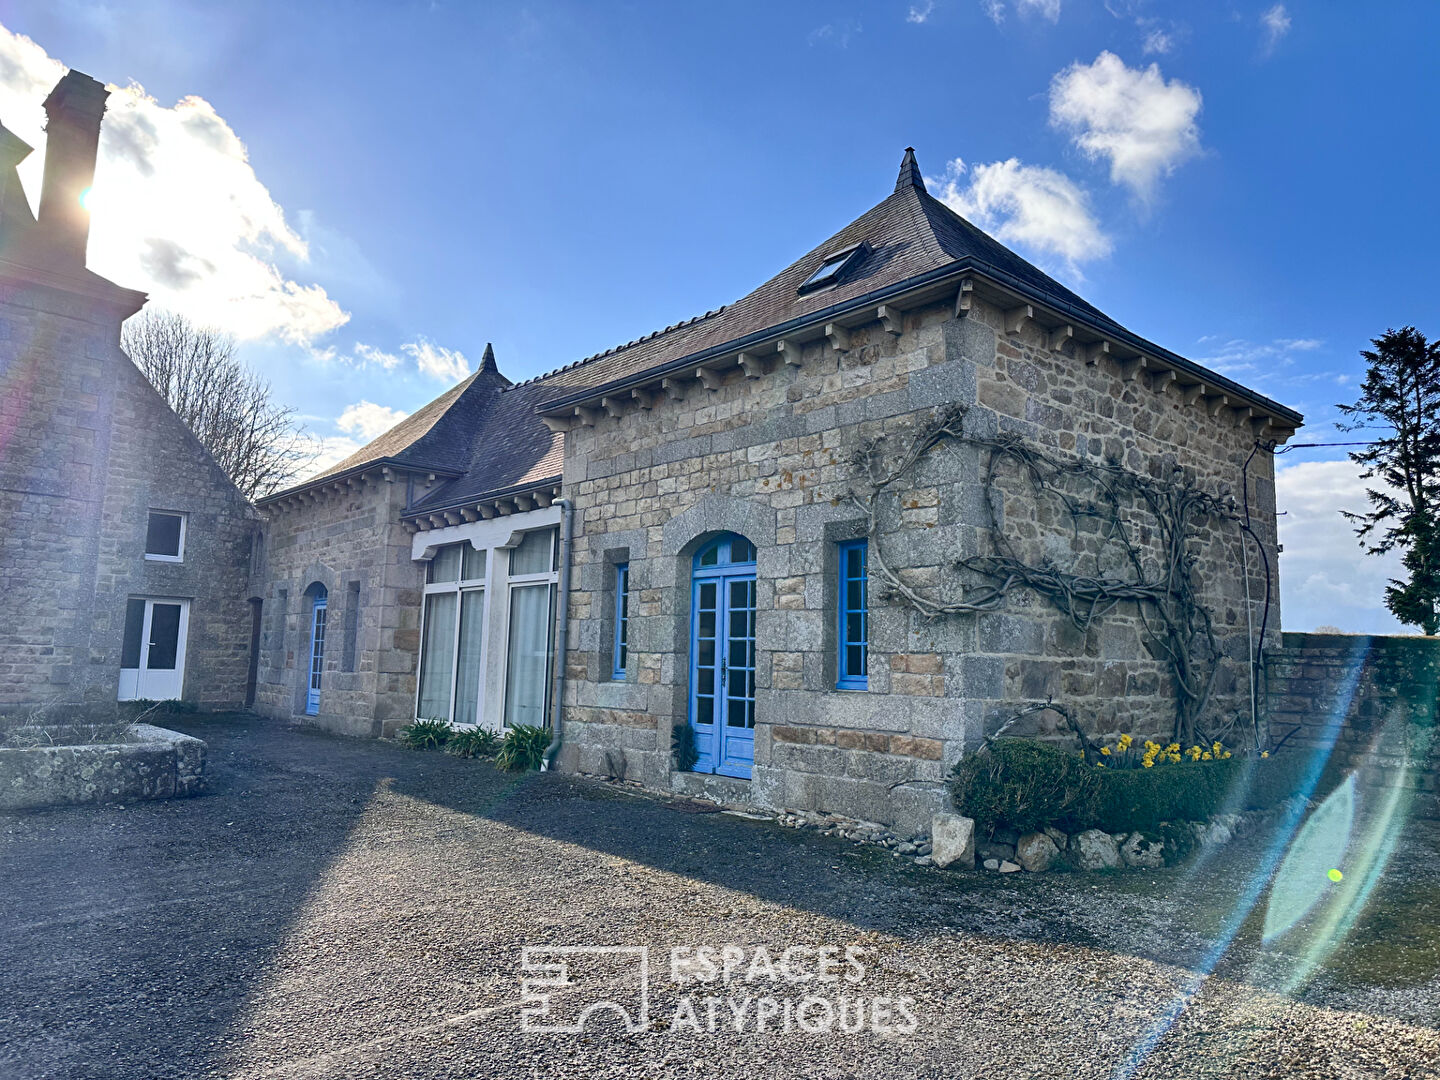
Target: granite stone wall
<point>342,539</point>
<point>1368,704</point>
<point>771,457</point>
<point>87,448</point>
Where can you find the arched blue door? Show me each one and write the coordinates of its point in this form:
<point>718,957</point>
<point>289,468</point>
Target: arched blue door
<point>722,656</point>
<point>317,650</point>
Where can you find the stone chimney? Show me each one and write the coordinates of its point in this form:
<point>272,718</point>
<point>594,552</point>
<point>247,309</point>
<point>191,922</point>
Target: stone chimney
<point>74,109</point>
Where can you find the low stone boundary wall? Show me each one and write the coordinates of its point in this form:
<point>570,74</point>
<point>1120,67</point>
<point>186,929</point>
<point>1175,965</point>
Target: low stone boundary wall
<point>161,764</point>
<point>1371,701</point>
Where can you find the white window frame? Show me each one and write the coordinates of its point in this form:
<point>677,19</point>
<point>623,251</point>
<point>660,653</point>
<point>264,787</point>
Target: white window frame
<point>180,547</point>
<point>459,587</point>
<point>523,581</point>
<point>496,536</point>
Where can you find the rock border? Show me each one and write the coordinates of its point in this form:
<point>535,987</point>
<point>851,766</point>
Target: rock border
<point>158,764</point>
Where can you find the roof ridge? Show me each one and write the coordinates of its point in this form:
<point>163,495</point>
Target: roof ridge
<point>618,348</point>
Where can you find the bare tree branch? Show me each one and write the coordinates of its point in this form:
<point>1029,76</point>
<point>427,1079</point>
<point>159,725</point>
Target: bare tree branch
<point>228,407</point>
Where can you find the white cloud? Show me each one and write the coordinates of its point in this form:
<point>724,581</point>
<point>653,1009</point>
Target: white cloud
<point>1275,24</point>
<point>327,452</point>
<point>1142,124</point>
<point>995,9</point>
<point>836,34</point>
<point>1157,42</point>
<point>448,365</point>
<point>1049,9</point>
<point>1237,356</point>
<point>1027,205</point>
<point>368,420</point>
<point>920,12</point>
<point>1325,577</point>
<point>177,208</point>
<point>368,354</point>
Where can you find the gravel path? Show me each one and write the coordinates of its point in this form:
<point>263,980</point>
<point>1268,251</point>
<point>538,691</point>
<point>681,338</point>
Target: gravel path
<point>338,908</point>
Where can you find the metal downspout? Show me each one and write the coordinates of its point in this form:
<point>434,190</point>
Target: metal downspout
<point>562,616</point>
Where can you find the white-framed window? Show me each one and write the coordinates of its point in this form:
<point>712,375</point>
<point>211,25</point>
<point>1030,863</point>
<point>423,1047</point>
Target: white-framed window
<point>452,644</point>
<point>531,588</point>
<point>165,536</point>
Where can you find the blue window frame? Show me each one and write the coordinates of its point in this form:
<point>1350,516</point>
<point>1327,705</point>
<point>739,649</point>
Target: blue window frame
<point>622,620</point>
<point>854,628</point>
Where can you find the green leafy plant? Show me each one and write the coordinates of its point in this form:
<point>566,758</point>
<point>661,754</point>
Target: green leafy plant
<point>426,734</point>
<point>682,744</point>
<point>523,748</point>
<point>473,743</point>
<point>1025,785</point>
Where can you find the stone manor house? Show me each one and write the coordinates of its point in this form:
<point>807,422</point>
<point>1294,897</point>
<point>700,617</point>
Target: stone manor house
<point>683,533</point>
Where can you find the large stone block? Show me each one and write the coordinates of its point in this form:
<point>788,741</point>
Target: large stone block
<point>952,841</point>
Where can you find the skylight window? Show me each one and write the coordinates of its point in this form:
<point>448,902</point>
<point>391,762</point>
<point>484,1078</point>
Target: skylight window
<point>831,269</point>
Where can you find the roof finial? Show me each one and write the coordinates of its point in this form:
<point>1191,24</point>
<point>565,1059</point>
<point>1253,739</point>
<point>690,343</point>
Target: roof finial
<point>909,172</point>
<point>487,362</point>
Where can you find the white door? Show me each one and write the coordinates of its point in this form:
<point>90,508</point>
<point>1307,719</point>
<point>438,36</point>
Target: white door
<point>152,662</point>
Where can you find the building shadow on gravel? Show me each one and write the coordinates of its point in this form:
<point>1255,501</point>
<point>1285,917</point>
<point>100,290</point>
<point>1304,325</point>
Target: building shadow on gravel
<point>135,940</point>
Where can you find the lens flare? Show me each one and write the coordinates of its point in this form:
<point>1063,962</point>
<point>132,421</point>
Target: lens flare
<point>87,198</point>
<point>1322,843</point>
<point>1335,876</point>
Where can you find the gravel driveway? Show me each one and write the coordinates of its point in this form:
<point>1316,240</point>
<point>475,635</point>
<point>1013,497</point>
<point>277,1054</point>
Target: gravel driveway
<point>336,908</point>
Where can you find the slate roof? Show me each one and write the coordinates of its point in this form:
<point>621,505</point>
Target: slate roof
<point>514,451</point>
<point>908,234</point>
<point>485,432</point>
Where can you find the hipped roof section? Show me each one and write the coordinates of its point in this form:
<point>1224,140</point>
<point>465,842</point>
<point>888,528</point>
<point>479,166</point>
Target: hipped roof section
<point>911,238</point>
<point>486,434</point>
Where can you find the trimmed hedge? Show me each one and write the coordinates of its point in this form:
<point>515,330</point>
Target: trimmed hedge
<point>1026,785</point>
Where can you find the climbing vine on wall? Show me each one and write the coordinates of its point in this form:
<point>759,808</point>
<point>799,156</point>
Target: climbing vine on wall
<point>1148,528</point>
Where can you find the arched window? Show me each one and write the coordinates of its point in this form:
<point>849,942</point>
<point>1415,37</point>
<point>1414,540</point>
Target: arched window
<point>727,549</point>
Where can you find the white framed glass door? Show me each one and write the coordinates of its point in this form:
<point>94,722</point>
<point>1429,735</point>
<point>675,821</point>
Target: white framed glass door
<point>152,653</point>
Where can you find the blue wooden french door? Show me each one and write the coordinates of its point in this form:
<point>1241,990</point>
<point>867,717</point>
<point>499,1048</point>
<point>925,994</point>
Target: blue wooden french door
<point>722,656</point>
<point>317,651</point>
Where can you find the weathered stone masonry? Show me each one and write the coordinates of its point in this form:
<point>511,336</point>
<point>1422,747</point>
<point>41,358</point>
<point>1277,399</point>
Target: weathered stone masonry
<point>87,449</point>
<point>349,540</point>
<point>770,457</point>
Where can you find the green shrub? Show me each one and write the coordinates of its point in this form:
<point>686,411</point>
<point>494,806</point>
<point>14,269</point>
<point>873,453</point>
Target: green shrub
<point>426,734</point>
<point>1025,785</point>
<point>523,748</point>
<point>473,742</point>
<point>1129,799</point>
<point>682,744</point>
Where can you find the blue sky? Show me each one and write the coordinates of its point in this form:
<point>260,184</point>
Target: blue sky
<point>367,193</point>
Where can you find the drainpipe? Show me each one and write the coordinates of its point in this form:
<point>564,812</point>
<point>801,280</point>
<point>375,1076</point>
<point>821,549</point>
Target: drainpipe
<point>562,615</point>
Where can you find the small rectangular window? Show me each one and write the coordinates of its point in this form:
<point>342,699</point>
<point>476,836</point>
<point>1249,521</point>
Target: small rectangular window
<point>854,615</point>
<point>352,626</point>
<point>535,554</point>
<point>829,271</point>
<point>622,620</point>
<point>278,658</point>
<point>445,566</point>
<point>165,537</point>
<point>473,565</point>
